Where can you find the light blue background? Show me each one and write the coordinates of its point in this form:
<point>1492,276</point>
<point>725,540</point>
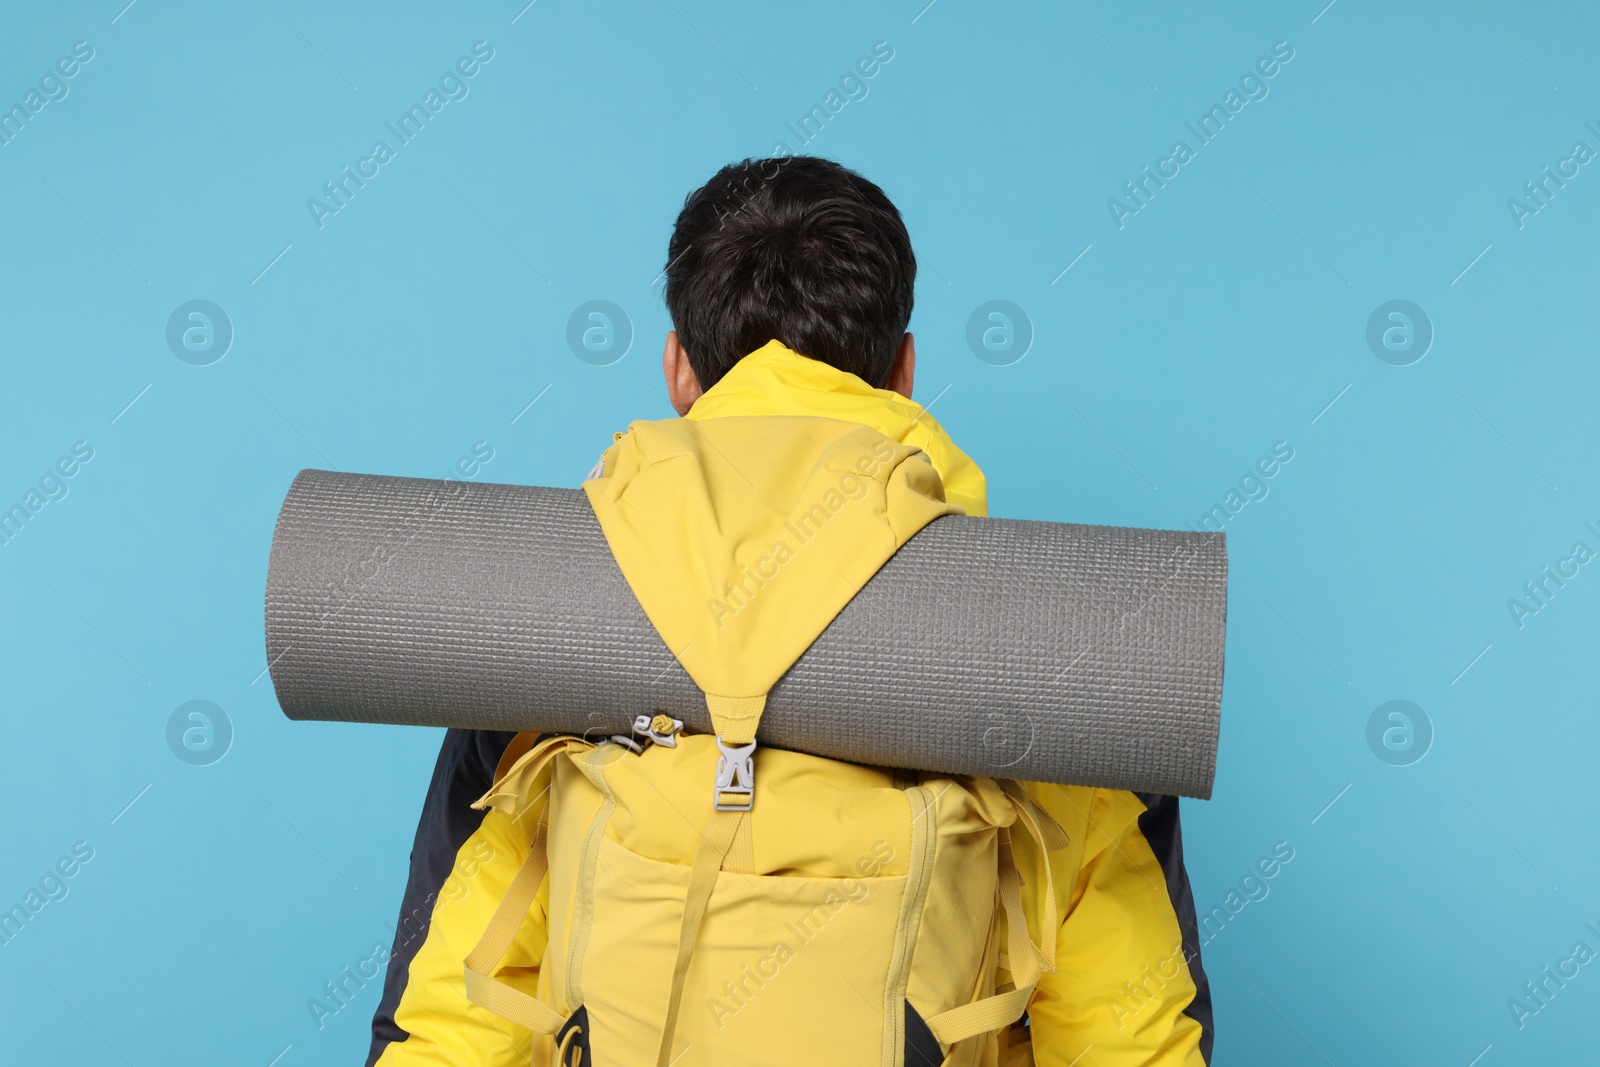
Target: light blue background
<point>1224,317</point>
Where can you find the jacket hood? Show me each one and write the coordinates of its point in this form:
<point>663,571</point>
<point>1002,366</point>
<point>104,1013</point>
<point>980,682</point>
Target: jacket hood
<point>744,527</point>
<point>776,380</point>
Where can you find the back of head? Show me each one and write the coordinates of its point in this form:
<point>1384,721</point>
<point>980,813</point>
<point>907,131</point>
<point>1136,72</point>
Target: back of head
<point>797,249</point>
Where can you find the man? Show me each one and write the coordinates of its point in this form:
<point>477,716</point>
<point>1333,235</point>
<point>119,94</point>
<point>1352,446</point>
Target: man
<point>789,283</point>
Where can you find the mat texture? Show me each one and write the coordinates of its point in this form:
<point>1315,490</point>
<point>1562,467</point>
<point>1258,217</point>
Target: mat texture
<point>1054,652</point>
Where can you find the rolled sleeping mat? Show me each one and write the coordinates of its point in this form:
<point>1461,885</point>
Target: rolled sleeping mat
<point>1041,651</point>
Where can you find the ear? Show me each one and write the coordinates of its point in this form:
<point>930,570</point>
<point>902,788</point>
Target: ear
<point>683,386</point>
<point>904,368</point>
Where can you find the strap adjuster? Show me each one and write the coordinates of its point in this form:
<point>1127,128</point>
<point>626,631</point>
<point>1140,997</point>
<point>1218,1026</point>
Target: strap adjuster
<point>736,776</point>
<point>660,728</point>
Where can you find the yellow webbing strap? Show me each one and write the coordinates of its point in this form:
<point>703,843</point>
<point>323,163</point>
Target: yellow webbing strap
<point>716,838</point>
<point>741,857</point>
<point>1025,960</point>
<point>735,718</point>
<point>1051,835</point>
<point>490,993</point>
<point>1045,831</point>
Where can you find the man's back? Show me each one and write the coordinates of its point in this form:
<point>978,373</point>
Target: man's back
<point>743,528</point>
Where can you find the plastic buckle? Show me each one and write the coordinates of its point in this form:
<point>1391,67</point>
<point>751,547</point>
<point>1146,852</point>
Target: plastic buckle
<point>659,728</point>
<point>736,777</point>
<point>628,743</point>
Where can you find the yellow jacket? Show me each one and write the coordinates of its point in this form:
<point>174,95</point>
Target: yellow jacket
<point>1128,983</point>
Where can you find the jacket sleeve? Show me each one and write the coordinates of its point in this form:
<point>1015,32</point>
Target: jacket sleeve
<point>462,863</point>
<point>1128,983</point>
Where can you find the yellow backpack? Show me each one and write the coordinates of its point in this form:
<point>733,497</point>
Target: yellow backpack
<point>832,913</point>
<point>851,916</point>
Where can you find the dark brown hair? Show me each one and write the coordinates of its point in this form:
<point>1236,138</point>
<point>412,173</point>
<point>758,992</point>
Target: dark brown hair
<point>797,249</point>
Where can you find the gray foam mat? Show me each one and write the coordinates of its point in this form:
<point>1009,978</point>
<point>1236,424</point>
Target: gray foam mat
<point>1054,652</point>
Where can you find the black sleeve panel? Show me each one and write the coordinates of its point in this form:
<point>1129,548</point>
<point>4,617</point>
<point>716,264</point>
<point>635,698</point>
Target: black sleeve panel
<point>1161,830</point>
